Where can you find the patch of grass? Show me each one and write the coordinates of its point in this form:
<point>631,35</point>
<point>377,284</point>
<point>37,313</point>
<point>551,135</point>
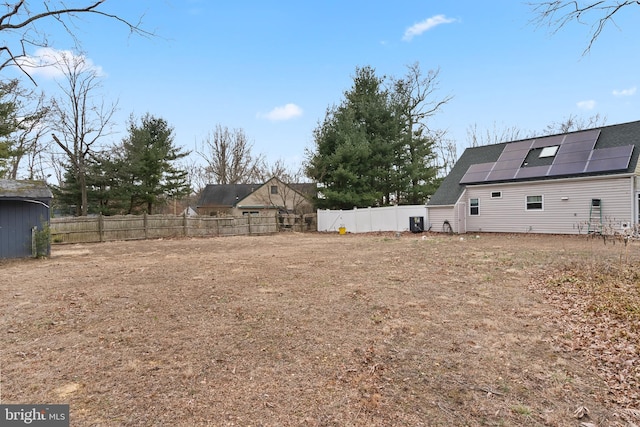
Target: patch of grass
<point>521,409</point>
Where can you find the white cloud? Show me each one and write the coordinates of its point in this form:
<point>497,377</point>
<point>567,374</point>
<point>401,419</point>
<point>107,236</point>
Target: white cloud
<point>587,105</point>
<point>46,62</point>
<point>625,92</point>
<point>286,112</point>
<point>426,25</point>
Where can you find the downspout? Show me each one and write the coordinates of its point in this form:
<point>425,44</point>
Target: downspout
<point>464,212</point>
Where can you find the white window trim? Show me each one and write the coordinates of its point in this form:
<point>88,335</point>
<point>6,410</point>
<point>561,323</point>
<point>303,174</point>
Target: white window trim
<point>476,206</point>
<point>496,197</point>
<point>526,203</point>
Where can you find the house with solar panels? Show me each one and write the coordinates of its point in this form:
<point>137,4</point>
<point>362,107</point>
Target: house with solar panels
<point>575,183</point>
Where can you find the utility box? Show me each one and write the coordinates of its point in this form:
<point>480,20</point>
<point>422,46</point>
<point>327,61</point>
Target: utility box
<point>416,224</point>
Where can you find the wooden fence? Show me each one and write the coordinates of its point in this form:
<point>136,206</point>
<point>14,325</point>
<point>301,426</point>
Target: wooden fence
<point>134,227</point>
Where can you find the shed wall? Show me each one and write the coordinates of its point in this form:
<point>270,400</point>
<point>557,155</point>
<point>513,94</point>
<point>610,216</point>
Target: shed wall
<point>17,218</point>
<point>438,215</point>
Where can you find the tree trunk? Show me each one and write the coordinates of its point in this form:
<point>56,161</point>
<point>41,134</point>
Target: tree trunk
<point>82,181</point>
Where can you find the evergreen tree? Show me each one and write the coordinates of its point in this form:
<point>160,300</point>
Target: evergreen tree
<point>8,125</point>
<point>375,148</point>
<point>146,167</point>
<point>355,147</point>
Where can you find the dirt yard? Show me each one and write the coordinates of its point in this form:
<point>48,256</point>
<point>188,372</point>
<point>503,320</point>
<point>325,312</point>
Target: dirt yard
<point>326,330</point>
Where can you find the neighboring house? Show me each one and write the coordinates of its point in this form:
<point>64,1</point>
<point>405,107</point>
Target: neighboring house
<point>189,211</point>
<point>579,182</point>
<point>24,210</point>
<point>274,196</point>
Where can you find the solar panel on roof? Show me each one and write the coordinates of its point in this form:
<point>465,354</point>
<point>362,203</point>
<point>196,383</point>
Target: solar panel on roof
<point>470,178</point>
<point>606,153</point>
<point>610,159</point>
<point>477,172</point>
<point>567,168</point>
<point>532,172</point>
<point>518,146</point>
<point>481,167</point>
<point>507,164</point>
<point>575,155</point>
<point>587,135</point>
<point>612,164</point>
<point>502,174</point>
<point>513,155</point>
<point>573,147</point>
<point>548,141</point>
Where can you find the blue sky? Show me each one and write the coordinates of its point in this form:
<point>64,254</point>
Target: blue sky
<point>273,68</point>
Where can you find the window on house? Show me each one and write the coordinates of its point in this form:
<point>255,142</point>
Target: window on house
<point>274,189</point>
<point>496,194</point>
<point>252,213</point>
<point>534,203</point>
<point>474,206</point>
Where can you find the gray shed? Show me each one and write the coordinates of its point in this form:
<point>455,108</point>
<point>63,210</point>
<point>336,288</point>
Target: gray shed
<point>24,210</point>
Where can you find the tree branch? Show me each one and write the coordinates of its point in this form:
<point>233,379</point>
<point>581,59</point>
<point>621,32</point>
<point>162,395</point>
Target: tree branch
<point>556,14</point>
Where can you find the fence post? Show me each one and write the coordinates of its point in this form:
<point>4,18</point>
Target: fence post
<point>101,227</point>
<point>145,226</point>
<point>249,223</point>
<point>184,224</point>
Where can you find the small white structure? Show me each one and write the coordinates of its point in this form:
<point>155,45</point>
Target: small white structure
<point>366,220</point>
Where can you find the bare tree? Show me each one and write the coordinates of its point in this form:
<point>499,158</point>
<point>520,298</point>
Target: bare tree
<point>446,154</point>
<point>289,190</point>
<point>574,123</point>
<point>477,137</point>
<point>22,23</point>
<point>228,157</point>
<point>414,95</point>
<point>79,122</point>
<point>556,14</point>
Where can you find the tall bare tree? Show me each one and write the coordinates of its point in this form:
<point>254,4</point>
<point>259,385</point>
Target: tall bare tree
<point>477,137</point>
<point>556,14</point>
<point>446,151</point>
<point>78,122</point>
<point>23,24</point>
<point>415,97</point>
<point>228,157</point>
<point>575,123</point>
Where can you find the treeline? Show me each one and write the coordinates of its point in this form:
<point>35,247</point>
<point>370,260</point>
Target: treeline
<point>132,177</point>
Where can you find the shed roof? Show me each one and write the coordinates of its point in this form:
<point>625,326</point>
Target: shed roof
<point>23,189</point>
<point>618,135</point>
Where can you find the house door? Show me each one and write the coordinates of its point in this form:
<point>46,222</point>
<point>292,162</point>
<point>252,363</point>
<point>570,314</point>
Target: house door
<point>462,218</point>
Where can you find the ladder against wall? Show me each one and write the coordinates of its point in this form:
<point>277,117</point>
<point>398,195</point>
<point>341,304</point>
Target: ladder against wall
<point>595,216</point>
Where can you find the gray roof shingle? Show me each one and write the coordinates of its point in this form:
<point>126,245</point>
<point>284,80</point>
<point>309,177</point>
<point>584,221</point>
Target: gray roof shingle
<point>225,194</point>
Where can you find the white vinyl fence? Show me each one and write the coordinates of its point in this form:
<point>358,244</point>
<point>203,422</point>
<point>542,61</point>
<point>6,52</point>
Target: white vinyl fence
<point>366,220</point>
